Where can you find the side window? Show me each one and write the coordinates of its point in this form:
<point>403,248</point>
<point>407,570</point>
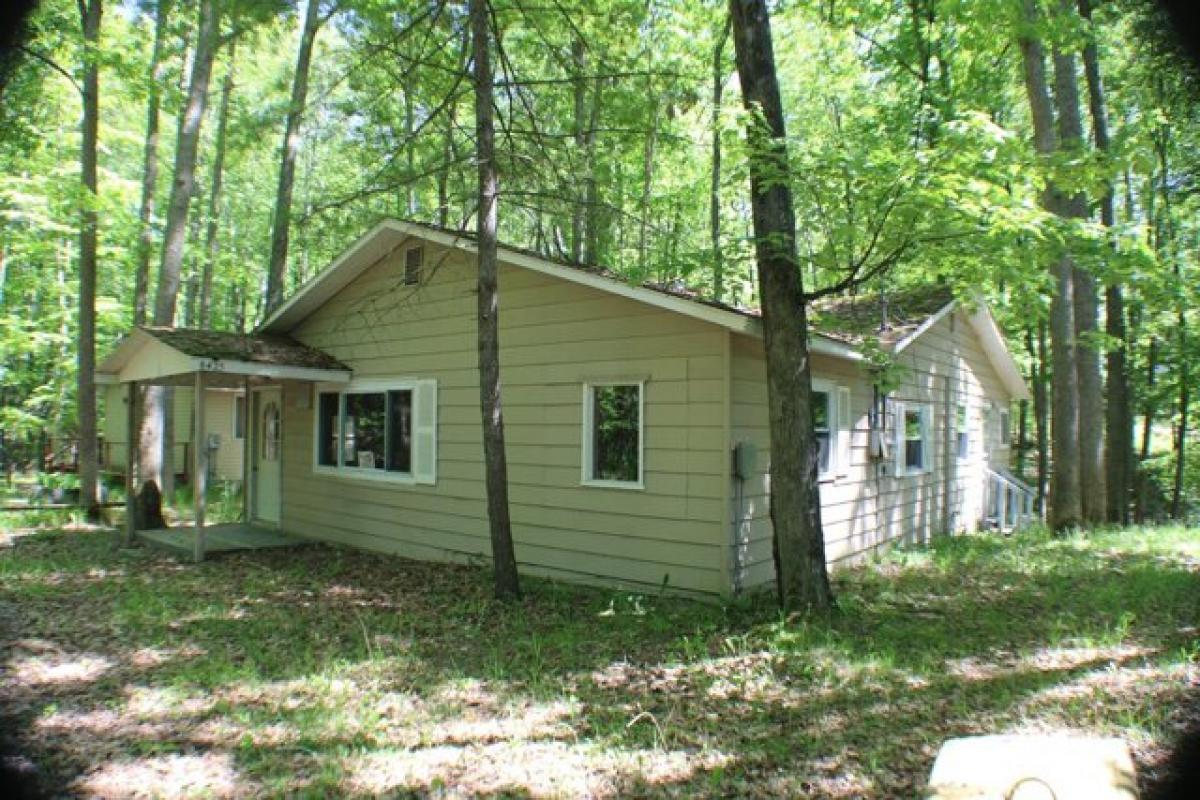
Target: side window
<point>613,434</point>
<point>962,432</point>
<point>822,420</point>
<point>239,417</point>
<point>912,438</point>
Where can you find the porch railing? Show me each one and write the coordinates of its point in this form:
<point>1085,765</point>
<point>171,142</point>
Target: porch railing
<point>1009,501</point>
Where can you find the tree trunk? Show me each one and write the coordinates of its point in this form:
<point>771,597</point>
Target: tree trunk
<point>1118,419</point>
<point>1094,504</point>
<point>1065,489</point>
<point>714,197</point>
<point>157,428</point>
<point>799,542</point>
<point>183,185</point>
<point>281,222</point>
<point>89,468</point>
<point>504,562</point>
<point>1177,508</point>
<point>579,124</point>
<point>212,244</point>
<point>145,244</point>
<point>647,185</point>
<point>443,176</point>
<point>1169,248</point>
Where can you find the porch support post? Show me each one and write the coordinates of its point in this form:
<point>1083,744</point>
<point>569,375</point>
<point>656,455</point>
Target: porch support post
<point>247,450</point>
<point>199,467</point>
<point>132,427</point>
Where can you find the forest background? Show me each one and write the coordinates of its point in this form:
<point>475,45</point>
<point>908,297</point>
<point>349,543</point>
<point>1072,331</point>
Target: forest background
<point>240,146</point>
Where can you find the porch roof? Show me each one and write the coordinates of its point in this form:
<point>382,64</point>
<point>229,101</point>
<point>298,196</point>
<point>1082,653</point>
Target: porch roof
<point>175,355</point>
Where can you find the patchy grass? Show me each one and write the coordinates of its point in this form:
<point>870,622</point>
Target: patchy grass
<point>321,671</point>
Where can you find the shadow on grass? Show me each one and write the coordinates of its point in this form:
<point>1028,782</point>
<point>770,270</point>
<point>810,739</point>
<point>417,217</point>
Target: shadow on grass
<point>329,671</point>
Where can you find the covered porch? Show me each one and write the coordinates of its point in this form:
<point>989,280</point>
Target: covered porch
<point>257,364</point>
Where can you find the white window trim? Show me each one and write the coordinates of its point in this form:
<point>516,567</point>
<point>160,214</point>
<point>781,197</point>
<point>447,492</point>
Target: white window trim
<point>233,434</point>
<point>368,386</point>
<point>589,417</point>
<point>1003,420</point>
<point>926,411</point>
<point>966,406</point>
<point>830,389</point>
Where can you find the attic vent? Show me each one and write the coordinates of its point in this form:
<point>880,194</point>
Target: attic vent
<point>413,257</point>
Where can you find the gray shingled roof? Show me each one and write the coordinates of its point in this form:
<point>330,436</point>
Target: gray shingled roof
<point>850,320</point>
<point>887,317</point>
<point>269,349</point>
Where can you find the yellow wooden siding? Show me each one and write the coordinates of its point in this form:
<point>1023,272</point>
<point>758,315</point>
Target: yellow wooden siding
<point>870,506</point>
<point>218,414</point>
<point>554,336</point>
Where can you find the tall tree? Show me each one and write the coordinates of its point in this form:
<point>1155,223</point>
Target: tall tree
<point>1093,504</point>
<point>714,201</point>
<point>145,245</point>
<point>157,429</point>
<point>183,184</point>
<point>1118,413</point>
<point>1066,509</point>
<point>281,221</point>
<point>504,562</point>
<point>216,182</point>
<point>90,12</point>
<point>803,580</point>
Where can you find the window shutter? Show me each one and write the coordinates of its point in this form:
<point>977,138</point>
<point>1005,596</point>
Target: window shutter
<point>425,432</point>
<point>927,438</point>
<point>898,416</point>
<point>844,422</point>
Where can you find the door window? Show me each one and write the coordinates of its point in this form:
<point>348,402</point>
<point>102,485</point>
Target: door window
<point>270,427</point>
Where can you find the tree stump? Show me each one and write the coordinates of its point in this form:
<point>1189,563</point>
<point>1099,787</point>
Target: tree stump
<point>147,511</point>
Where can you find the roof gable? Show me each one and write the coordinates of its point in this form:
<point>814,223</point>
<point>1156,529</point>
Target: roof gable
<point>390,235</point>
<point>159,353</point>
<point>840,326</point>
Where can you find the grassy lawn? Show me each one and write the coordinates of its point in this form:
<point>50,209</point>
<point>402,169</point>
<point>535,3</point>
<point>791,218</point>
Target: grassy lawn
<point>320,671</point>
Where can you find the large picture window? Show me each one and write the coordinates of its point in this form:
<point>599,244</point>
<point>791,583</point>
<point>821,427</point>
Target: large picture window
<point>378,430</point>
<point>612,437</point>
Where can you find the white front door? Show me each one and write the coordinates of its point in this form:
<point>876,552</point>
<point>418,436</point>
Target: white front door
<point>268,441</point>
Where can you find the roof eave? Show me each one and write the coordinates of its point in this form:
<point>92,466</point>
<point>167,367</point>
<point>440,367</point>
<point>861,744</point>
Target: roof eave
<point>357,259</point>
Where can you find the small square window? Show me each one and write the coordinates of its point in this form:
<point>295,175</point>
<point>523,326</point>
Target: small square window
<point>413,258</point>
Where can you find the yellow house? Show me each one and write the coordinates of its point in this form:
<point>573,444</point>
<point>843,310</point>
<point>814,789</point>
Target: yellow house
<point>225,412</point>
<point>635,417</point>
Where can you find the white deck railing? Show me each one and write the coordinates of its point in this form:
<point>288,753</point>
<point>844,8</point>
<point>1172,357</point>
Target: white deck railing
<point>1008,502</point>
